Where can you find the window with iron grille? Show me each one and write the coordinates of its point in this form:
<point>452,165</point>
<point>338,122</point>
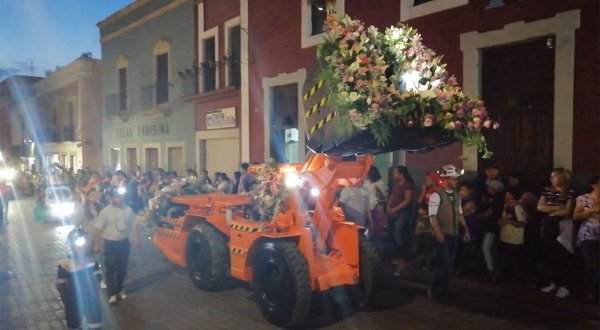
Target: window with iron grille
<point>209,65</point>
<point>162,78</point>
<point>234,56</point>
<point>123,89</point>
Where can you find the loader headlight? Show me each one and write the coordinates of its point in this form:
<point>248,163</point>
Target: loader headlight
<point>80,241</point>
<point>292,180</point>
<point>121,190</point>
<point>315,192</point>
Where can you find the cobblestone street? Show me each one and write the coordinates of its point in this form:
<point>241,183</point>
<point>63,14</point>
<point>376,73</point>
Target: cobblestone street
<point>162,297</point>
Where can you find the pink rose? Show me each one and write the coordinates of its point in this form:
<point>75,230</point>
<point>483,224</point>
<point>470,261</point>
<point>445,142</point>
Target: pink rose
<point>460,113</point>
<point>487,123</point>
<point>470,104</point>
<point>483,113</point>
<point>452,81</point>
<point>428,122</point>
<point>458,124</point>
<point>496,125</point>
<point>475,113</point>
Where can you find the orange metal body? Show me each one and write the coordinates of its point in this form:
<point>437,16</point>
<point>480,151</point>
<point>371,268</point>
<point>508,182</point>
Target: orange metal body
<point>329,243</point>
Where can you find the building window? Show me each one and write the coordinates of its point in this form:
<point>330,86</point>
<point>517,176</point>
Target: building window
<point>318,16</point>
<point>162,78</point>
<point>123,89</point>
<point>420,2</point>
<point>284,123</point>
<point>410,9</point>
<point>209,65</point>
<point>314,17</point>
<point>234,59</point>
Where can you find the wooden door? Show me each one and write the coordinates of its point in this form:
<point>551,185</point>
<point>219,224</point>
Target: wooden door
<point>175,159</point>
<point>132,161</point>
<point>518,89</point>
<point>151,159</point>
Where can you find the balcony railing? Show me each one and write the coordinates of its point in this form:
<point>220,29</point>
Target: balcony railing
<point>112,108</point>
<point>148,103</point>
<point>68,133</point>
<point>147,97</point>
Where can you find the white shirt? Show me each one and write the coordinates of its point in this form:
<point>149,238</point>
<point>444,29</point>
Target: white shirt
<point>434,203</point>
<point>116,223</point>
<point>372,192</point>
<point>355,203</point>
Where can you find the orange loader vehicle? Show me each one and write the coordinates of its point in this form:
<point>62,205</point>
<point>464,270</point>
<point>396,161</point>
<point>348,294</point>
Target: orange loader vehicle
<point>308,247</point>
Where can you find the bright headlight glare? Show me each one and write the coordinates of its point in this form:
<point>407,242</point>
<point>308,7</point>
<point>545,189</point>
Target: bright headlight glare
<point>80,241</point>
<point>121,190</point>
<point>8,174</point>
<point>314,192</point>
<point>62,209</point>
<point>292,180</point>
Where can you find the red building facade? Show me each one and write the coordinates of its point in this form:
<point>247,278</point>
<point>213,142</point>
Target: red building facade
<point>278,51</point>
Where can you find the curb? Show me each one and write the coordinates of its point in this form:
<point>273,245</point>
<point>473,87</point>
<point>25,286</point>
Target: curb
<point>417,279</point>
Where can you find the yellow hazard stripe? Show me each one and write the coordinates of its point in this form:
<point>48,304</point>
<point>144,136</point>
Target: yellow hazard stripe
<point>313,90</point>
<point>316,107</point>
<point>173,221</point>
<point>249,229</point>
<point>322,122</point>
<point>166,232</point>
<point>237,250</point>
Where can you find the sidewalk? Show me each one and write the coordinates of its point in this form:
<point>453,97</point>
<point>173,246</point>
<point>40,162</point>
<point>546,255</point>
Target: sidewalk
<point>418,279</point>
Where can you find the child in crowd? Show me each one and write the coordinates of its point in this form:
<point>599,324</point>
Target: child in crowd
<point>424,239</point>
<point>468,259</point>
<point>490,212</point>
<point>512,229</point>
<point>78,281</point>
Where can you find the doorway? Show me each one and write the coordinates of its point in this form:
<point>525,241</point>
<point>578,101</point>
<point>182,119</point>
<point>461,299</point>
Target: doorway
<point>518,89</point>
<point>175,159</point>
<point>151,159</point>
<point>132,159</point>
<point>284,124</point>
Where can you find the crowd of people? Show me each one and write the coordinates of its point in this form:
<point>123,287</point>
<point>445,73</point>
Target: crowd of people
<point>510,234</point>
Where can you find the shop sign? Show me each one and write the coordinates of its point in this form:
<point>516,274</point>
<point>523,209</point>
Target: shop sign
<point>143,130</point>
<point>224,118</point>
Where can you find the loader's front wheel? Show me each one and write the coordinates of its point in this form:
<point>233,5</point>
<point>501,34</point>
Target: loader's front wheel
<point>282,283</point>
<point>369,264</point>
<point>207,258</point>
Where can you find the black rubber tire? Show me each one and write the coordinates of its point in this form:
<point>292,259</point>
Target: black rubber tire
<point>369,266</point>
<point>281,283</point>
<point>207,258</point>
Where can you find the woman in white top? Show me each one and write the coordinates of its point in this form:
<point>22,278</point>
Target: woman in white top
<point>377,190</point>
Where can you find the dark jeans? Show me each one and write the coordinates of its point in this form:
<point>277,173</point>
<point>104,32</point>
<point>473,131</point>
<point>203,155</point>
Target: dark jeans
<point>558,261</point>
<point>403,232</point>
<point>444,264</point>
<point>116,258</point>
<point>510,261</point>
<point>591,258</point>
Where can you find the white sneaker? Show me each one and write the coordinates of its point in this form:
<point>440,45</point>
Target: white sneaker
<point>122,295</point>
<point>103,285</point>
<point>562,292</point>
<point>549,288</point>
<point>112,300</point>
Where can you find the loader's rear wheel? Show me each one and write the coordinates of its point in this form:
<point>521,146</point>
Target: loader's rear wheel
<point>282,283</point>
<point>207,258</point>
<point>369,263</point>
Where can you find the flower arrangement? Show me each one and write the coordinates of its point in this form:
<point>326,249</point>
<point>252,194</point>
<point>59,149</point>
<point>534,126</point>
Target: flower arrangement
<point>269,193</point>
<point>379,80</point>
